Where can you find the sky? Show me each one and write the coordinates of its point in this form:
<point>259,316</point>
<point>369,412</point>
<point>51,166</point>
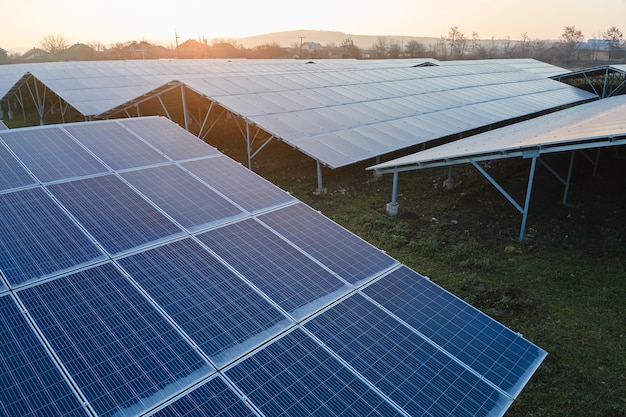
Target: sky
<point>24,23</point>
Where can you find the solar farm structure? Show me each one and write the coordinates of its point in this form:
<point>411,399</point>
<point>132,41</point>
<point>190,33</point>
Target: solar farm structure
<point>145,273</point>
<point>338,113</point>
<point>588,127</point>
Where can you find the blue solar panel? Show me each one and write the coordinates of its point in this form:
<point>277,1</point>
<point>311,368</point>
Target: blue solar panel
<point>13,173</point>
<point>278,269</point>
<point>38,239</point>
<point>51,154</point>
<point>345,253</point>
<point>116,146</point>
<point>169,138</point>
<point>418,376</point>
<point>501,356</point>
<point>294,376</point>
<point>113,213</point>
<point>217,309</point>
<point>124,356</point>
<point>243,186</point>
<point>187,200</point>
<point>213,399</point>
<point>211,266</point>
<point>32,385</point>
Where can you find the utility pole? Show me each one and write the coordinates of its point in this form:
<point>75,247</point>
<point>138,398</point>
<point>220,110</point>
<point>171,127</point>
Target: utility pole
<point>301,37</point>
<point>176,37</point>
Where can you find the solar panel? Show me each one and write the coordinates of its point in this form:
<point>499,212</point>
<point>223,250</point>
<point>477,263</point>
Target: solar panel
<point>113,213</point>
<point>169,138</point>
<point>345,253</point>
<point>117,147</point>
<point>297,283</point>
<point>38,239</point>
<point>52,156</point>
<point>242,186</point>
<point>294,376</point>
<point>183,197</point>
<point>32,385</point>
<point>13,173</point>
<point>217,309</point>
<point>123,355</point>
<point>213,399</point>
<point>418,376</point>
<point>501,356</point>
<point>221,294</point>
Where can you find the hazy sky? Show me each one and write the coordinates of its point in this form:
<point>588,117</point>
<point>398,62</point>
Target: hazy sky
<point>23,23</point>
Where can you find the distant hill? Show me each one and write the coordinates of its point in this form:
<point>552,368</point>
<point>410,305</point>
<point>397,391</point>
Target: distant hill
<point>324,37</point>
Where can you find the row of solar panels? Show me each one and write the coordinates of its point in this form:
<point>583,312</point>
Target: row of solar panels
<point>144,272</point>
<point>337,112</point>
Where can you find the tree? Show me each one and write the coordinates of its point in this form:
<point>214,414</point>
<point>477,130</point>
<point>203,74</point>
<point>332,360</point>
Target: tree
<point>380,48</point>
<point>415,49</point>
<point>348,49</point>
<point>613,36</point>
<point>570,37</point>
<point>395,49</point>
<point>54,44</point>
<point>457,42</point>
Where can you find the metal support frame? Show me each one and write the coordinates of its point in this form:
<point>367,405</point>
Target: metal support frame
<point>38,99</point>
<point>566,182</point>
<point>523,210</point>
<point>251,139</point>
<point>185,110</point>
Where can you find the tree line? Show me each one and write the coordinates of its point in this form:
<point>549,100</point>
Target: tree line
<point>566,51</point>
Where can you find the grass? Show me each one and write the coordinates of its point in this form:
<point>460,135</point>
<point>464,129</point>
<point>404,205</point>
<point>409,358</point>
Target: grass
<point>563,288</point>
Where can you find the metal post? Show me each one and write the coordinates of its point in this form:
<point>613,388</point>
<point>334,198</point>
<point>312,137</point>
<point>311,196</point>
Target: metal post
<point>248,145</point>
<point>569,177</point>
<point>185,115</point>
<point>531,177</point>
<point>320,186</point>
<point>392,208</point>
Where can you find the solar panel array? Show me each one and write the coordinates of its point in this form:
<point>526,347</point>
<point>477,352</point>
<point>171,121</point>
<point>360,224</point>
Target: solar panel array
<point>170,281</point>
<point>338,112</point>
<point>343,117</point>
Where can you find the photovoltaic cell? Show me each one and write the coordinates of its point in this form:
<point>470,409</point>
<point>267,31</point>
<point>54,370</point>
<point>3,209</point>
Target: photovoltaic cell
<point>243,186</point>
<point>32,385</point>
<point>278,269</point>
<point>345,253</point>
<point>218,310</point>
<point>113,213</point>
<point>415,374</point>
<point>492,350</point>
<point>38,239</point>
<point>294,376</point>
<point>51,154</point>
<point>183,197</point>
<point>13,173</point>
<point>169,138</point>
<point>213,399</point>
<point>123,354</point>
<point>116,146</point>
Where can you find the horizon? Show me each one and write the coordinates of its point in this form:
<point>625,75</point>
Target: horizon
<point>142,20</point>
